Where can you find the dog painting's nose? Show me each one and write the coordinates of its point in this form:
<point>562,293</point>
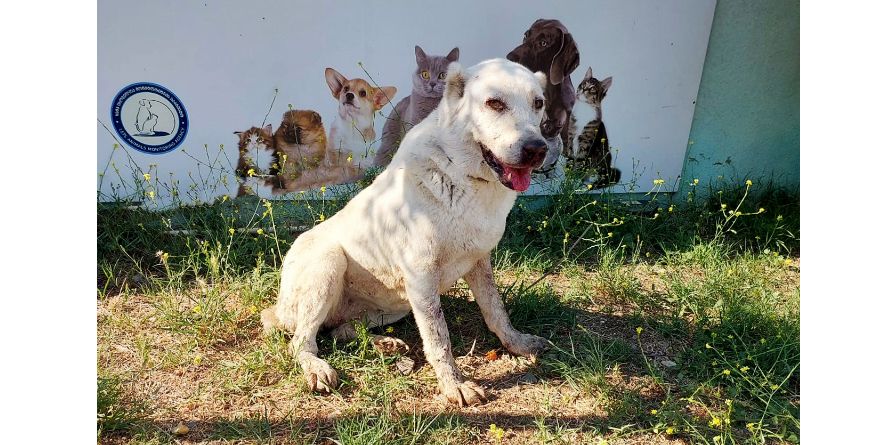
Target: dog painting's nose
<point>534,151</point>
<point>349,96</point>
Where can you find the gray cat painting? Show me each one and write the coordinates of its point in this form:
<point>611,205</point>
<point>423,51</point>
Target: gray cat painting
<point>427,89</point>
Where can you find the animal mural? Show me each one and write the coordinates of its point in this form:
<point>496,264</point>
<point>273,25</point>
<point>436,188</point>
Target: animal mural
<point>549,47</point>
<point>300,156</point>
<point>353,130</point>
<point>589,149</point>
<point>428,81</point>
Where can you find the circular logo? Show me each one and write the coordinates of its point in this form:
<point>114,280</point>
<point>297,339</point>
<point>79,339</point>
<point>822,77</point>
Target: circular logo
<point>149,118</point>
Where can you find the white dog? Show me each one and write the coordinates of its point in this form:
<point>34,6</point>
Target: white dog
<point>430,218</point>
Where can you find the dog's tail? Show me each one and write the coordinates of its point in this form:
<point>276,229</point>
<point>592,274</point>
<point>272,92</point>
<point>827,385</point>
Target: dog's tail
<point>269,320</point>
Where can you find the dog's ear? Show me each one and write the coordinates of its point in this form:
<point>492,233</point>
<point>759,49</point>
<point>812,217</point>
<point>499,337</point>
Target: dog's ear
<point>335,81</point>
<point>542,79</point>
<point>453,55</point>
<point>382,96</point>
<point>565,61</point>
<point>455,82</point>
<point>606,83</point>
<point>420,56</point>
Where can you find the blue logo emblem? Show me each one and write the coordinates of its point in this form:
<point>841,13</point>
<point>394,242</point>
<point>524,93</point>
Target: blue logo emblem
<point>149,118</point>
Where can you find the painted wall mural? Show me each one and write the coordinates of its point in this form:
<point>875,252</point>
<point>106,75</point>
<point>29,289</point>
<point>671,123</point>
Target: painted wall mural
<point>233,98</point>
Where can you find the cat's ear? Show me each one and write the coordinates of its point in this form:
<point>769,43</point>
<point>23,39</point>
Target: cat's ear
<point>589,74</point>
<point>268,129</point>
<point>453,55</point>
<point>335,81</point>
<point>238,133</point>
<point>606,83</point>
<point>542,79</point>
<point>420,56</point>
<point>382,96</point>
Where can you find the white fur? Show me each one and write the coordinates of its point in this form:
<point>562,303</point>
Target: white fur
<point>352,133</point>
<point>430,218</point>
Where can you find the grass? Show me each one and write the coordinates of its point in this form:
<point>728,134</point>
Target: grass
<point>673,320</point>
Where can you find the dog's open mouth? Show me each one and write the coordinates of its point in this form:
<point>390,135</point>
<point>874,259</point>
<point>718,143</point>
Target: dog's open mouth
<point>513,177</point>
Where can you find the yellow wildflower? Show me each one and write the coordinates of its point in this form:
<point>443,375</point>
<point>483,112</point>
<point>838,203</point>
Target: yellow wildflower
<point>390,329</point>
<point>197,309</point>
<point>253,309</point>
<point>323,189</point>
<point>653,411</point>
<point>726,372</point>
<point>744,369</point>
<point>496,432</point>
<point>231,231</point>
<point>260,231</point>
<point>671,209</point>
<point>723,206</point>
<point>639,330</point>
<point>749,183</point>
<point>250,172</point>
<point>658,181</point>
<point>225,198</point>
<point>715,422</point>
<point>198,359</point>
<point>147,176</point>
<point>151,194</point>
<point>708,346</point>
<point>350,158</point>
<point>670,431</point>
<point>695,181</point>
<point>761,210</point>
<point>751,426</point>
<point>322,217</point>
<point>773,386</point>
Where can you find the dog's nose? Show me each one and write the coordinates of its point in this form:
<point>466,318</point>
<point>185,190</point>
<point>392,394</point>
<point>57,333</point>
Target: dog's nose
<point>349,96</point>
<point>534,151</point>
<point>513,57</point>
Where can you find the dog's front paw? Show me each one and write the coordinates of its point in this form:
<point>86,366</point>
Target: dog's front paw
<point>528,345</point>
<point>319,375</point>
<point>464,394</point>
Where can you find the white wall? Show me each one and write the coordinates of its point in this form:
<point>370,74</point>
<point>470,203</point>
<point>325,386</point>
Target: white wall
<point>224,59</point>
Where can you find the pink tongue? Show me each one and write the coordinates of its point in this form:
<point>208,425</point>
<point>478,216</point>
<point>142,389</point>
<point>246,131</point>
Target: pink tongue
<point>519,177</point>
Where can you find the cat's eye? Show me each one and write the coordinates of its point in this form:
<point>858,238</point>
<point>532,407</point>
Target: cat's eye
<point>425,75</point>
<point>496,104</point>
<point>539,103</point>
<point>441,76</point>
<point>362,93</point>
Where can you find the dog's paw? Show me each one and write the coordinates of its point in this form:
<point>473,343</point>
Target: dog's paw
<point>465,394</point>
<point>389,345</point>
<point>319,375</point>
<point>529,346</point>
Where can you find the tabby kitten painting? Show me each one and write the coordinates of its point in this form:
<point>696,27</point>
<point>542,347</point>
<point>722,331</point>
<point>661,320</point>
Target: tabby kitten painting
<point>427,89</point>
<point>257,162</point>
<point>588,148</point>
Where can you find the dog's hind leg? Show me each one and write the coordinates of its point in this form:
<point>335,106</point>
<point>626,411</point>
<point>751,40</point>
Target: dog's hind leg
<point>309,292</point>
<point>382,343</point>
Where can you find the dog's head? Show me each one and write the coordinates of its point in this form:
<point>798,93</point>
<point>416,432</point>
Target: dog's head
<point>547,46</point>
<point>356,97</point>
<point>497,106</point>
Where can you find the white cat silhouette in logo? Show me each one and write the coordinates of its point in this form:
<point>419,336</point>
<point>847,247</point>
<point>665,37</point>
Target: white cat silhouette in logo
<point>154,118</point>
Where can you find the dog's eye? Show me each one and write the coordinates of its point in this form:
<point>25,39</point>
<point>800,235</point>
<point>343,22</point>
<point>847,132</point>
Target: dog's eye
<point>496,104</point>
<point>347,88</point>
<point>425,75</point>
<point>539,103</point>
<point>441,76</point>
<point>543,43</point>
<point>362,93</point>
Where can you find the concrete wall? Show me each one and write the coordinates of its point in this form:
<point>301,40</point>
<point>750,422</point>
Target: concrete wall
<point>747,119</point>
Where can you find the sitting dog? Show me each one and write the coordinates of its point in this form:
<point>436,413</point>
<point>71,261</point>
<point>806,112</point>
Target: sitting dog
<point>430,218</point>
<point>549,47</point>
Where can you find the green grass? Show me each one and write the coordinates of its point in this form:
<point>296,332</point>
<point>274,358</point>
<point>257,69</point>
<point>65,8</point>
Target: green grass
<point>712,285</point>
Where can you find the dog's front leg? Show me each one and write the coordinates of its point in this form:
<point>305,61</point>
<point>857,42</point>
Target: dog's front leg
<point>482,285</point>
<point>428,312</point>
